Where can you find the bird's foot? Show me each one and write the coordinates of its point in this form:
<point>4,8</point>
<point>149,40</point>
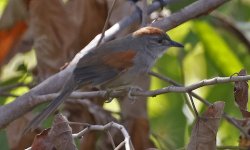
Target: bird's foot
<point>131,90</point>
<point>109,95</point>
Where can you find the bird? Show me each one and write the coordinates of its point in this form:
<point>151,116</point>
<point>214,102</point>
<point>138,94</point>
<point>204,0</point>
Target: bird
<point>113,64</point>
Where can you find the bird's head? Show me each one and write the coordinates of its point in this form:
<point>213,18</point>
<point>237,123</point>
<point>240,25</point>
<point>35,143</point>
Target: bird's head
<point>155,39</point>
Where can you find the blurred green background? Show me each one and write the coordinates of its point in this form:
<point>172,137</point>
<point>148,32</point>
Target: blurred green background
<point>211,49</point>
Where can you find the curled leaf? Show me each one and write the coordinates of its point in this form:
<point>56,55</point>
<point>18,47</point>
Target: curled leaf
<point>241,94</point>
<point>204,132</point>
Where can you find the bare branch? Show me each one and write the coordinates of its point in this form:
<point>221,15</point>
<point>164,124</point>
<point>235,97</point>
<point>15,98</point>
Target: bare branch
<point>193,105</point>
<point>195,10</point>
<point>106,23</point>
<point>12,86</point>
<point>127,141</point>
<point>225,115</point>
<point>178,89</point>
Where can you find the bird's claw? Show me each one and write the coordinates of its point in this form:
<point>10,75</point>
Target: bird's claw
<point>110,98</point>
<point>131,90</point>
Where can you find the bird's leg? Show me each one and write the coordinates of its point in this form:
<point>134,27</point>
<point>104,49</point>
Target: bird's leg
<point>110,98</point>
<point>132,89</point>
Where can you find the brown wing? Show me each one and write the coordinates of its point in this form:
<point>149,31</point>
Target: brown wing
<point>102,68</point>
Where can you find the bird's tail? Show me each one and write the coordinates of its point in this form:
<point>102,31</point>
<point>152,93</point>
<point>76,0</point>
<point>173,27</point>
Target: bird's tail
<point>67,90</point>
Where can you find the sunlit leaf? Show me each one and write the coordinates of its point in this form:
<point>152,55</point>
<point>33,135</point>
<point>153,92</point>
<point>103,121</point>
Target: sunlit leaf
<point>217,50</point>
<point>165,110</point>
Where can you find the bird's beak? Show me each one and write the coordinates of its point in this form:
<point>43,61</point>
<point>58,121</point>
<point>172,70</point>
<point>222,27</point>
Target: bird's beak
<point>175,44</point>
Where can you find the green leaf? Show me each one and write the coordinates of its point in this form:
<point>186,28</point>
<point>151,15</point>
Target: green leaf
<point>217,50</point>
<point>165,111</point>
<point>22,68</point>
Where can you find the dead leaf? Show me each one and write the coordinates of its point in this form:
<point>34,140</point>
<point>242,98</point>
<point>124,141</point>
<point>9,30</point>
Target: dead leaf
<point>9,37</point>
<point>244,141</point>
<point>58,137</point>
<point>139,132</point>
<point>241,94</point>
<point>12,27</point>
<point>16,140</point>
<point>61,29</point>
<point>61,134</point>
<point>42,141</point>
<point>204,132</point>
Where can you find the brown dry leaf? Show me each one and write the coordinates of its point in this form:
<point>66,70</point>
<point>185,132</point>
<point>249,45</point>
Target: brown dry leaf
<point>241,94</point>
<point>61,134</point>
<point>16,140</point>
<point>61,29</point>
<point>139,132</point>
<point>43,141</point>
<point>12,26</point>
<point>204,132</point>
<point>58,137</point>
<point>243,140</point>
<point>54,34</point>
<point>135,113</point>
<point>9,38</point>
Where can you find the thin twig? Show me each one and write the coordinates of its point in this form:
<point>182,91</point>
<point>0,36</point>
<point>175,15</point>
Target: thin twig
<point>106,127</point>
<point>79,124</point>
<point>6,94</point>
<point>144,13</point>
<point>12,86</point>
<point>193,105</point>
<point>231,147</point>
<point>181,89</point>
<point>111,139</point>
<point>120,145</point>
<point>207,103</point>
<point>106,23</point>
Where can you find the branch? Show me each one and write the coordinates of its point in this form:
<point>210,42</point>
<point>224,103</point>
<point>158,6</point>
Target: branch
<point>195,10</point>
<point>207,103</point>
<point>106,23</point>
<point>126,142</point>
<point>25,103</point>
<point>178,89</point>
<point>174,89</point>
